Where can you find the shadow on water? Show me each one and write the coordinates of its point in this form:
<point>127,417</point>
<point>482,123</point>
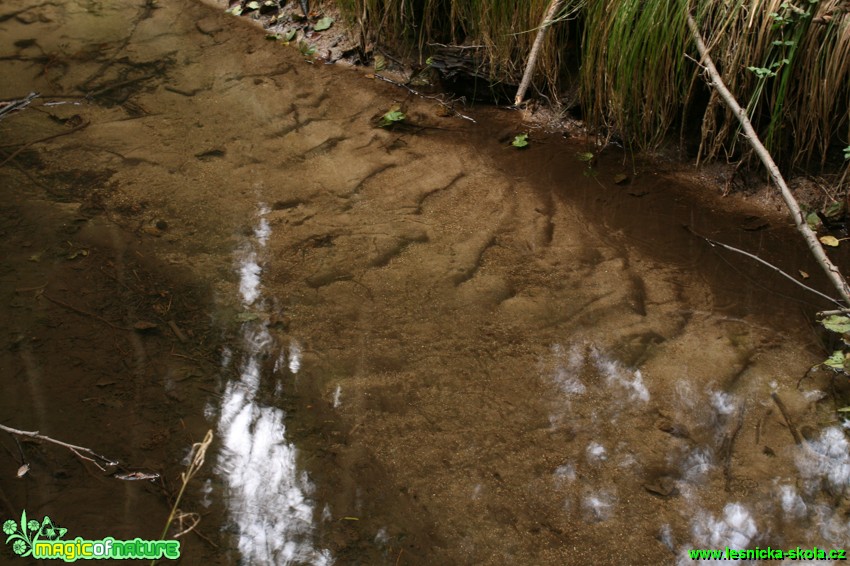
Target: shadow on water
<point>415,345</point>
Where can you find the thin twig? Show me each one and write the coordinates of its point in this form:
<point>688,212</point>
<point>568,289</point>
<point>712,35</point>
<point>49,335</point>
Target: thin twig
<point>444,104</point>
<point>33,142</point>
<point>728,447</point>
<point>760,260</point>
<point>797,438</point>
<point>106,89</point>
<point>77,450</point>
<point>829,313</point>
<point>13,105</point>
<point>84,313</point>
<point>716,81</point>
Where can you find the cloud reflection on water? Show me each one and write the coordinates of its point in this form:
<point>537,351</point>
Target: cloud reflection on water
<point>268,499</point>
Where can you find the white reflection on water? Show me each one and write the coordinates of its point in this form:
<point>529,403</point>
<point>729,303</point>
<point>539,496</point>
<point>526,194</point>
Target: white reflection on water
<point>735,529</point>
<point>805,505</point>
<point>268,498</point>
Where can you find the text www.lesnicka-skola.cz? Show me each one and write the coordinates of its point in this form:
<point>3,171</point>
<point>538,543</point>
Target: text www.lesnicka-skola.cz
<point>768,553</point>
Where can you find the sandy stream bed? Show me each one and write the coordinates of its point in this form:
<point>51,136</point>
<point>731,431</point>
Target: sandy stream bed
<point>415,346</point>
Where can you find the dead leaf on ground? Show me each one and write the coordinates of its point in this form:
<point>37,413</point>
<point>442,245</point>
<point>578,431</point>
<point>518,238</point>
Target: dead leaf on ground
<point>830,241</point>
<point>144,326</point>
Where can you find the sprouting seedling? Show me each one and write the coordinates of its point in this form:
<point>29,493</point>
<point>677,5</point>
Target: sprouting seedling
<point>520,141</point>
<point>394,116</point>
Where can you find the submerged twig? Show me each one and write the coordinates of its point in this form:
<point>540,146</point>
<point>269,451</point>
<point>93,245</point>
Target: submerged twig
<point>728,447</point>
<point>84,313</point>
<point>44,139</point>
<point>78,451</point>
<point>13,105</point>
<point>793,429</point>
<point>443,103</point>
<point>768,264</point>
<point>104,90</point>
<point>799,218</point>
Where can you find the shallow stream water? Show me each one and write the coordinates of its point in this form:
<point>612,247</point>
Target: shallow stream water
<point>413,346</point>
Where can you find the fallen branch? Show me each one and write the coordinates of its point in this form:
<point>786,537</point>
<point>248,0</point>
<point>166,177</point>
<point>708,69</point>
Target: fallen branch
<point>13,105</point>
<point>799,218</point>
<point>554,6</point>
<point>442,102</point>
<point>78,451</point>
<point>768,264</point>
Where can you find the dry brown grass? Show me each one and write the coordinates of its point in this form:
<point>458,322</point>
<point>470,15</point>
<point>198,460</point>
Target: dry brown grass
<point>787,61</point>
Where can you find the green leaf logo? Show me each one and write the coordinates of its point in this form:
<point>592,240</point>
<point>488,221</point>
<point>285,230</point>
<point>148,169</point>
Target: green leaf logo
<point>24,534</point>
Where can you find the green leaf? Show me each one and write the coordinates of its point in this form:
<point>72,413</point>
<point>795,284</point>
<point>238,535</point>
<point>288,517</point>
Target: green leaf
<point>835,361</point>
<point>272,37</point>
<point>813,220</point>
<point>252,5</point>
<point>246,316</point>
<point>837,323</point>
<point>761,72</point>
<point>393,116</point>
<point>830,241</point>
<point>323,24</point>
<point>307,50</point>
<point>236,10</point>
<point>520,141</point>
<point>290,35</point>
<point>380,63</point>
<point>586,156</point>
<point>847,152</point>
<point>835,208</point>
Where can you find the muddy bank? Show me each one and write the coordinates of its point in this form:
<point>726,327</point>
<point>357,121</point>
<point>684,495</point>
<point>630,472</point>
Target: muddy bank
<point>415,345</point>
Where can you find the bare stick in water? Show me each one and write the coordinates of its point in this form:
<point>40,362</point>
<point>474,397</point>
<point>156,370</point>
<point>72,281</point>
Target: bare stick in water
<point>793,429</point>
<point>79,451</point>
<point>799,218</point>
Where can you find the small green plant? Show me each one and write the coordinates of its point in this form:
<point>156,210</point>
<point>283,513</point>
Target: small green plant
<point>847,152</point>
<point>306,49</point>
<point>394,116</point>
<point>520,141</point>
<point>840,359</point>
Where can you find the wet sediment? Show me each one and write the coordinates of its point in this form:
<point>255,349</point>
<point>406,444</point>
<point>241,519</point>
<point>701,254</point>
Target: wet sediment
<point>415,345</point>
